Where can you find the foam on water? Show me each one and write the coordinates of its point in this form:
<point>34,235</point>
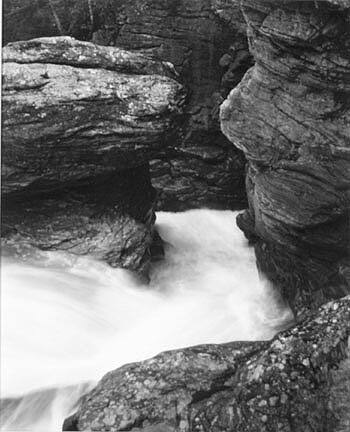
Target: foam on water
<point>68,320</point>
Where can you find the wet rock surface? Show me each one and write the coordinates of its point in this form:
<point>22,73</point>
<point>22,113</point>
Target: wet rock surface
<point>80,123</point>
<point>290,115</point>
<point>286,384</point>
<point>109,217</point>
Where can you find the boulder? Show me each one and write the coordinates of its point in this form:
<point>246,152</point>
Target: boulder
<point>109,217</point>
<point>290,115</point>
<point>206,41</point>
<point>286,384</point>
<point>68,112</point>
<point>79,124</point>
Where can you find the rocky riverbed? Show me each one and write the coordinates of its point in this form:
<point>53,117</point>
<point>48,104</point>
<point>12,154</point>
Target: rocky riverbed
<point>115,112</point>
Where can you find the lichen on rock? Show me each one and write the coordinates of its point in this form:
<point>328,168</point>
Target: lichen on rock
<point>281,385</point>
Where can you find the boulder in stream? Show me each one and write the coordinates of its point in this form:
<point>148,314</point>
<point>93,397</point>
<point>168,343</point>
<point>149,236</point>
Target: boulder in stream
<point>287,384</point>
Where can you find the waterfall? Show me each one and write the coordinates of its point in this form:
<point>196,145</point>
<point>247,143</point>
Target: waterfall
<point>67,320</point>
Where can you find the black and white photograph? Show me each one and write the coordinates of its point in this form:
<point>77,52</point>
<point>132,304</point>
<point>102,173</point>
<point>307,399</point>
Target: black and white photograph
<point>175,216</point>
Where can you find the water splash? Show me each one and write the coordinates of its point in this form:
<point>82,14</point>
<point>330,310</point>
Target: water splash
<point>68,320</point>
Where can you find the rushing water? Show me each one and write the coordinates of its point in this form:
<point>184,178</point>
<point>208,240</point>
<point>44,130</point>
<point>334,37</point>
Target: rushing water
<point>67,320</point>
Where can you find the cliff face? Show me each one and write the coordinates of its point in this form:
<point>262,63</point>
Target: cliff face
<point>206,42</point>
<point>291,117</point>
<point>283,385</point>
<point>80,123</point>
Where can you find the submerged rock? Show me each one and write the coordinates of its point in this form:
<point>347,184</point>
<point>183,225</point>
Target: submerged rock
<point>290,115</point>
<point>80,123</point>
<point>283,385</point>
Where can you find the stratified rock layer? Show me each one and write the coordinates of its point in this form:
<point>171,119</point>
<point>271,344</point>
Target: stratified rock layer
<point>210,54</point>
<point>283,385</point>
<point>79,124</point>
<point>290,115</point>
<point>69,113</point>
<point>206,41</point>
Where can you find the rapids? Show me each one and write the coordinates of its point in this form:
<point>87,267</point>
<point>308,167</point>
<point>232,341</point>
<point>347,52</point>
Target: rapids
<point>67,320</point>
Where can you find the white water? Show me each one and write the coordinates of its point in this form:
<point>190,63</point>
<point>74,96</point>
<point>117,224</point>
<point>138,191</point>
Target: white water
<point>68,320</point>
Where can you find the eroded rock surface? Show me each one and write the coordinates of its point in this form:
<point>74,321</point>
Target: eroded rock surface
<point>206,41</point>
<point>78,117</point>
<point>210,54</point>
<point>109,217</point>
<point>80,123</point>
<point>283,385</point>
<point>290,115</point>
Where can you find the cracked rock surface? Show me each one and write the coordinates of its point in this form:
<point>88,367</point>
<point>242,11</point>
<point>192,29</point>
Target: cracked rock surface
<point>286,384</point>
<point>291,117</point>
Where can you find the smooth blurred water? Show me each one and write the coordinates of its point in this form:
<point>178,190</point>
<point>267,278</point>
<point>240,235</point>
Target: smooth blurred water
<point>67,320</point>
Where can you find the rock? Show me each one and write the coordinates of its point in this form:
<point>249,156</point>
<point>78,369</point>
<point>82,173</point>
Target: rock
<point>80,123</point>
<point>191,180</point>
<point>340,394</point>
<point>162,389</point>
<point>72,120</point>
<point>235,386</point>
<point>109,217</point>
<point>291,118</point>
<point>72,52</point>
<point>201,165</point>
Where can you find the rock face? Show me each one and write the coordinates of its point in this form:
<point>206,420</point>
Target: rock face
<point>290,115</point>
<point>211,56</point>
<point>206,42</point>
<point>80,123</point>
<point>72,110</point>
<point>283,385</point>
<point>109,217</point>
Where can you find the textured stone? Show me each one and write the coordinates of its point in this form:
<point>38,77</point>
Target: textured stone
<point>75,119</point>
<point>194,36</point>
<point>72,52</point>
<point>109,217</point>
<point>80,123</point>
<point>206,41</point>
<point>162,389</point>
<point>214,388</point>
<point>290,115</point>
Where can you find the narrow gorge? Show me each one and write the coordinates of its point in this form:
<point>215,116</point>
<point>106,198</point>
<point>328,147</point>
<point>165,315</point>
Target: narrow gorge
<point>175,216</point>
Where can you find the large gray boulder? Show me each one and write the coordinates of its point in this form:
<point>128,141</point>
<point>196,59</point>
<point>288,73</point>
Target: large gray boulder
<point>287,384</point>
<point>72,110</point>
<point>79,124</point>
